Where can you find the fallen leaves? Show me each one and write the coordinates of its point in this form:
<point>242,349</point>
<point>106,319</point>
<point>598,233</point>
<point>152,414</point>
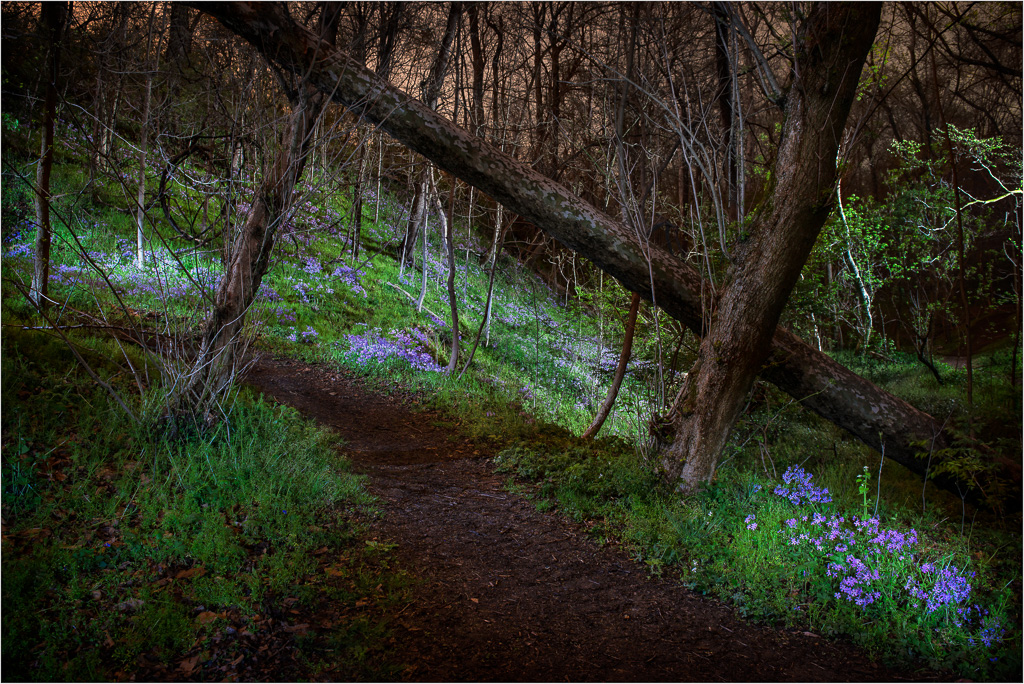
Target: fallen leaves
<point>189,664</point>
<point>207,616</point>
<point>191,572</point>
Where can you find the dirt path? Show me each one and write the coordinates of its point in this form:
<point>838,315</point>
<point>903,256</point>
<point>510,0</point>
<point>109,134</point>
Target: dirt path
<point>513,594</point>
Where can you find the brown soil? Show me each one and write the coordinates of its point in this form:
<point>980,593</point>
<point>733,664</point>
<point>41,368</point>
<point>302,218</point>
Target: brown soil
<point>508,593</point>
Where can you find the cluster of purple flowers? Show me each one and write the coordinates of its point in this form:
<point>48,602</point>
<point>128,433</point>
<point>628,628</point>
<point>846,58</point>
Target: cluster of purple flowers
<point>992,630</point>
<point>305,291</point>
<point>515,315</point>
<point>308,335</point>
<point>126,249</point>
<point>799,489</point>
<point>20,250</point>
<point>751,522</point>
<point>831,537</point>
<point>350,277</point>
<point>857,578</point>
<point>950,587</point>
<point>266,293</point>
<point>69,276</point>
<point>858,575</point>
<point>312,266</point>
<point>373,347</point>
<point>892,541</point>
<point>283,314</point>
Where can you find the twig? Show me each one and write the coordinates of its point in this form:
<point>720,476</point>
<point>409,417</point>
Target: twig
<point>414,299</point>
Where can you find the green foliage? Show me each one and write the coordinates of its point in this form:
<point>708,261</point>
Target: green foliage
<point>112,538</point>
<point>864,486</point>
<point>906,242</point>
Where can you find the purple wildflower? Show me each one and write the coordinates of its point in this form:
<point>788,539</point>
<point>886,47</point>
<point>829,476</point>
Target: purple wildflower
<point>799,489</point>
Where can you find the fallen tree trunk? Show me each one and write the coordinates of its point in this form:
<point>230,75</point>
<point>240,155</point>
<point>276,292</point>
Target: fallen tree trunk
<point>818,382</point>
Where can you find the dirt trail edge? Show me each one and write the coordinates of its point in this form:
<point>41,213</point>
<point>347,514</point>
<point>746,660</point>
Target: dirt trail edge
<point>508,593</point>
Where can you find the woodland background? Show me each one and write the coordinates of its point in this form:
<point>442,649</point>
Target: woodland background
<point>589,216</point>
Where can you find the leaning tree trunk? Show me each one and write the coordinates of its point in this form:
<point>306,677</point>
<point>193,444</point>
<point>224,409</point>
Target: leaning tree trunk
<point>832,47</point>
<point>54,17</point>
<point>213,370</point>
<point>817,381</point>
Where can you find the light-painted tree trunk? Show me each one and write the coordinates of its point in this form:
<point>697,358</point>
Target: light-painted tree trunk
<point>862,287</point>
<point>447,229</point>
<point>495,246</point>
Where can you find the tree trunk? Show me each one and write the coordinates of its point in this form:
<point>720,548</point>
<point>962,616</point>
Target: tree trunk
<point>447,228</point>
<point>140,200</point>
<point>54,17</point>
<point>213,370</point>
<point>415,219</point>
<point>833,44</point>
<point>620,371</point>
<point>430,92</point>
<point>357,197</point>
<point>819,383</point>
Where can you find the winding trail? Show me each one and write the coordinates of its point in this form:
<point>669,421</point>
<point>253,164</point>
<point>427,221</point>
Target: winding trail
<point>508,593</point>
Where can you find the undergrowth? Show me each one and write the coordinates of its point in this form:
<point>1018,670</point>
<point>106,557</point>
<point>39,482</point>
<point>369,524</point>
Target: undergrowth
<point>121,549</point>
<point>903,583</point>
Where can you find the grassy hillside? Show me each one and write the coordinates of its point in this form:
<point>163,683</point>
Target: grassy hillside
<point>803,527</point>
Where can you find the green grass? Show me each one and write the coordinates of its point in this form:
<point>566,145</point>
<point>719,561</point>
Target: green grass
<point>115,539</point>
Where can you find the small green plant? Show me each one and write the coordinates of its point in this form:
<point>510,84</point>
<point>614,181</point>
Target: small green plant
<point>863,487</point>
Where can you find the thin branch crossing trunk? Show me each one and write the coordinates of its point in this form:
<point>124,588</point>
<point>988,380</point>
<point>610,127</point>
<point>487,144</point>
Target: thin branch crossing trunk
<point>620,371</point>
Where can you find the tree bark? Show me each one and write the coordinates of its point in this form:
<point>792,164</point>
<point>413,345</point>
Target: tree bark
<point>818,382</point>
<point>834,41</point>
<point>447,228</point>
<point>212,372</point>
<point>54,16</point>
<point>620,371</point>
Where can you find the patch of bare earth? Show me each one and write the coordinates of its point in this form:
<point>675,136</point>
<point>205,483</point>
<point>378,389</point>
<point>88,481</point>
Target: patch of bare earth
<point>508,593</point>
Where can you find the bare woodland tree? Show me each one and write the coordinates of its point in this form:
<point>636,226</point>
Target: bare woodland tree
<point>216,362</point>
<point>822,385</point>
<point>53,19</point>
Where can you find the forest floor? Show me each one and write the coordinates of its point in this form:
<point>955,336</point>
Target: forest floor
<point>504,592</point>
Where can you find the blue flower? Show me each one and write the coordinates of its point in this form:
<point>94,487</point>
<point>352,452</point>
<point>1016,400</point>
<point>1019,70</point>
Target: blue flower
<point>800,489</point>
